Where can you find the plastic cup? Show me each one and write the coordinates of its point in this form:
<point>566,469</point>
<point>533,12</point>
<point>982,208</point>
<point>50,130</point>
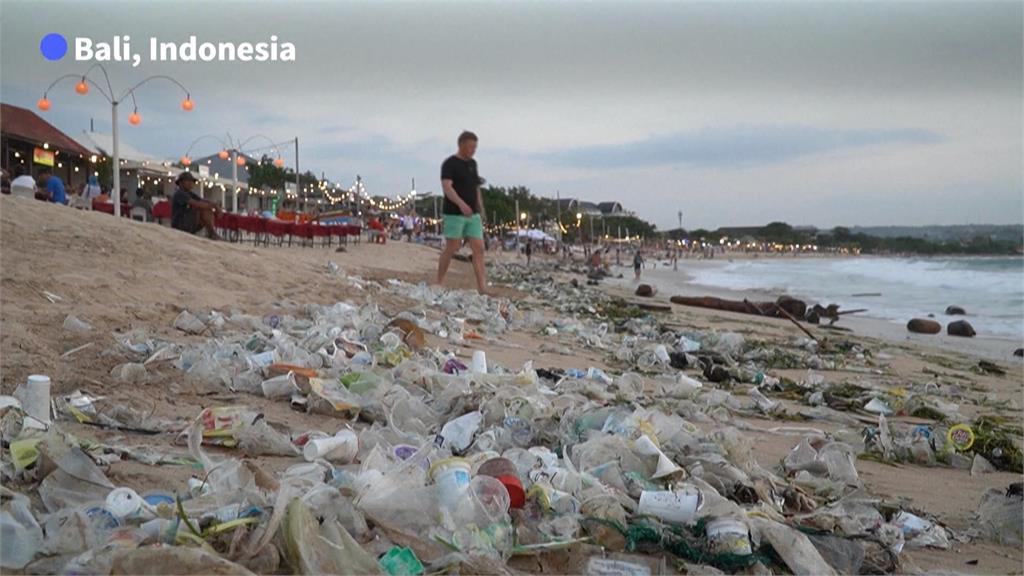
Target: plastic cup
<point>728,536</point>
<point>342,447</point>
<point>34,396</point>
<point>504,470</point>
<point>676,506</point>
<point>404,451</point>
<point>451,476</point>
<point>282,386</point>
<point>479,362</point>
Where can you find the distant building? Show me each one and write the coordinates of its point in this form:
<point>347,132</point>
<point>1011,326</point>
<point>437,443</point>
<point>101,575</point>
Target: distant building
<point>611,209</point>
<point>576,206</point>
<point>30,141</point>
<point>222,168</point>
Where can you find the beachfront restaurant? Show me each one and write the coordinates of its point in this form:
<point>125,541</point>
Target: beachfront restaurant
<point>138,169</point>
<point>26,139</point>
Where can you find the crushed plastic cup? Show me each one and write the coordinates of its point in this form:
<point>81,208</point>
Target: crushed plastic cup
<point>728,536</point>
<point>678,506</point>
<point>282,386</point>
<point>451,476</point>
<point>342,447</point>
<point>661,353</point>
<point>263,359</point>
<point>598,375</point>
<point>666,467</point>
<point>34,396</point>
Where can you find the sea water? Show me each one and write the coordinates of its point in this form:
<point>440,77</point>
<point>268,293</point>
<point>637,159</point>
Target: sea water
<point>990,289</point>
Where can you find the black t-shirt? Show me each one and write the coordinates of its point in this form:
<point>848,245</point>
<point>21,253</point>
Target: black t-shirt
<point>465,181</point>
<point>183,217</point>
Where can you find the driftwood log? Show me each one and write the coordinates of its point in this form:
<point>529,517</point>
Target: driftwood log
<point>778,309</point>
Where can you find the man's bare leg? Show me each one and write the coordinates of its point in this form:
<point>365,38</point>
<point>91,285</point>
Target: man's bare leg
<point>451,246</point>
<point>206,219</point>
<point>479,268</point>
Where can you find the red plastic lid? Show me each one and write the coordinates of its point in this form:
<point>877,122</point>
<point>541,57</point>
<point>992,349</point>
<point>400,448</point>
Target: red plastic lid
<point>516,494</point>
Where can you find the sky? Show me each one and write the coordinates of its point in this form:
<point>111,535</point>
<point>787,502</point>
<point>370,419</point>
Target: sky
<point>734,113</point>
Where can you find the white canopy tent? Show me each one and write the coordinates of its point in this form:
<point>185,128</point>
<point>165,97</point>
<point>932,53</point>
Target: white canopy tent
<point>535,234</point>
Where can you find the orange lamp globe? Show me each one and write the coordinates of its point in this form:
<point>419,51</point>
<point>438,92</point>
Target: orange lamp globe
<point>186,161</point>
<point>134,119</point>
<point>240,160</point>
<point>187,105</point>
<point>278,162</point>
<point>82,87</point>
<point>43,104</point>
<point>223,154</point>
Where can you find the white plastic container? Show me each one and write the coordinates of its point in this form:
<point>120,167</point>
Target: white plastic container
<point>677,506</point>
<point>451,476</point>
<point>34,396</point>
<point>123,502</point>
<point>342,447</point>
<point>728,536</point>
<point>479,362</point>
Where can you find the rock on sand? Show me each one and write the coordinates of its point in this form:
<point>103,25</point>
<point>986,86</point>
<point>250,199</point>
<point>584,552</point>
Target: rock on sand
<point>924,326</point>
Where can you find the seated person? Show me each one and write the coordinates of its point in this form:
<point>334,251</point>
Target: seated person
<point>51,188</point>
<point>189,212</point>
<point>142,200</point>
<point>23,182</point>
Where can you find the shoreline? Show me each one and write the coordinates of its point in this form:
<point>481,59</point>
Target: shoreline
<point>988,346</point>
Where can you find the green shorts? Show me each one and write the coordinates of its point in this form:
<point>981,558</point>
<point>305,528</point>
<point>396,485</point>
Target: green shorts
<point>457,226</point>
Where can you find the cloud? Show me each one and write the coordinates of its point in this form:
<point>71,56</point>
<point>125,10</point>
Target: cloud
<point>738,146</point>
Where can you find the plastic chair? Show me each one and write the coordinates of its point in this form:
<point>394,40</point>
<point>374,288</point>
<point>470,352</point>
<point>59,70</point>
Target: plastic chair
<point>140,213</point>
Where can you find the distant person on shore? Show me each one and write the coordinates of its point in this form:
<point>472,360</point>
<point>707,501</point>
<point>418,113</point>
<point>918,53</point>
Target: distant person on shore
<point>463,210</point>
<point>51,188</point>
<point>529,251</point>
<point>638,263</point>
<point>189,212</point>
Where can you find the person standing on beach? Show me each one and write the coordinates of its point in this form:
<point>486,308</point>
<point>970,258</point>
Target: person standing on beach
<point>529,251</point>
<point>463,210</point>
<point>638,263</point>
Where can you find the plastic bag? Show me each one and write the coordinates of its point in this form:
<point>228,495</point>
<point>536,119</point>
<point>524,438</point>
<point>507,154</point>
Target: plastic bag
<point>20,535</point>
<point>76,481</point>
<point>260,438</point>
<point>327,548</point>
<point>1000,517</point>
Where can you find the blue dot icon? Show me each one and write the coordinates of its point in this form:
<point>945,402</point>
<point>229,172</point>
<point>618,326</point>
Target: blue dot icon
<point>53,46</point>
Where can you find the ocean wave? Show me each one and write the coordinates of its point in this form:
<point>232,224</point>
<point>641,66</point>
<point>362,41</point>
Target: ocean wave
<point>991,289</point>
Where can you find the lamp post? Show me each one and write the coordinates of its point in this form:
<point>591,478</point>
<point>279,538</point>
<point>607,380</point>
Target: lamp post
<point>82,88</point>
<point>232,148</point>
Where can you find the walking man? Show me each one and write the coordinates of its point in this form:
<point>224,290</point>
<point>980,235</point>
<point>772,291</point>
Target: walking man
<point>463,210</point>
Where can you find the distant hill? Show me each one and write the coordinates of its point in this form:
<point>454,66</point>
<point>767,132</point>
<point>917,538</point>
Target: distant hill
<point>1004,233</point>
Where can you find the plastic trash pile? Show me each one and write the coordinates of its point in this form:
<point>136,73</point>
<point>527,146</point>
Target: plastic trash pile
<point>436,463</point>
